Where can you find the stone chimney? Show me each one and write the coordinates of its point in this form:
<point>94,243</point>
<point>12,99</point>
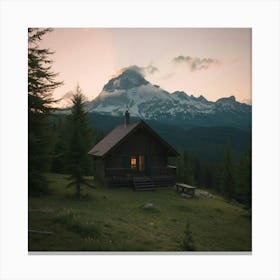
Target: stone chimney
<point>126,118</point>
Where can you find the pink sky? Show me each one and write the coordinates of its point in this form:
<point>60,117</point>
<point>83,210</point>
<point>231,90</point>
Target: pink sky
<point>213,62</point>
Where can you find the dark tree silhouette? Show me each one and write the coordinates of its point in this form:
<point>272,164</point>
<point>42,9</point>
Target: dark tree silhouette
<point>184,168</point>
<point>80,137</point>
<point>244,179</point>
<point>41,83</point>
<point>61,134</point>
<point>228,173</point>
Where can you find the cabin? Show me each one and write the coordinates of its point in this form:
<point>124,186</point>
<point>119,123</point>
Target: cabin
<point>133,154</point>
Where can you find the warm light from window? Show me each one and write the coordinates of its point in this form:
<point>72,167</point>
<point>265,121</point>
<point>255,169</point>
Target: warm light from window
<point>133,162</point>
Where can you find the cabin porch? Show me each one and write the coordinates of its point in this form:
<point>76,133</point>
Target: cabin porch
<point>156,177</point>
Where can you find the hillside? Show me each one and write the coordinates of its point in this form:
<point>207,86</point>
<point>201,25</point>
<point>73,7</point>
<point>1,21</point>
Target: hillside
<point>113,219</point>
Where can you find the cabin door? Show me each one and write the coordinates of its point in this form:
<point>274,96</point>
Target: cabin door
<point>141,164</point>
<point>142,167</point>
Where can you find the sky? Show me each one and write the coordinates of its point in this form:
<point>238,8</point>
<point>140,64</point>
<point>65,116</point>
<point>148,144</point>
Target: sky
<point>213,62</point>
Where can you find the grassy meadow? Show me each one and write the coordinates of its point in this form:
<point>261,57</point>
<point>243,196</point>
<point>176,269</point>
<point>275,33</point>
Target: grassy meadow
<point>113,219</point>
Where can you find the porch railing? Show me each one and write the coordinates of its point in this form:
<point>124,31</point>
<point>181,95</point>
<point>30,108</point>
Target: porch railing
<point>154,171</point>
<point>121,172</point>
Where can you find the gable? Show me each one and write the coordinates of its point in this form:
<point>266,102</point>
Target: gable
<point>141,141</point>
<point>131,137</point>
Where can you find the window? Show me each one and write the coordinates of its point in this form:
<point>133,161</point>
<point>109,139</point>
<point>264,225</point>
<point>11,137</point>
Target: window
<point>141,163</point>
<point>133,162</point>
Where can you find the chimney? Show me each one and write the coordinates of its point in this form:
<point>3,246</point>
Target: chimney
<point>126,118</point>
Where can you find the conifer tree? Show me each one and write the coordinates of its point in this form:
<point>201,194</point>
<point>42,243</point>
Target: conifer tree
<point>228,173</point>
<point>80,138</point>
<point>61,132</point>
<point>184,168</point>
<point>41,83</point>
<point>244,179</point>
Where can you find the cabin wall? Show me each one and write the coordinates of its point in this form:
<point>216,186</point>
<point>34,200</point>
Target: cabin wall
<point>140,143</point>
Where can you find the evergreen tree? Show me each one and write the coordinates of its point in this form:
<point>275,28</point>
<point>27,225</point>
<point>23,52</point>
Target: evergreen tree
<point>244,179</point>
<point>41,83</point>
<point>198,172</point>
<point>228,173</point>
<point>79,163</point>
<point>184,168</point>
<point>61,147</point>
<point>208,177</point>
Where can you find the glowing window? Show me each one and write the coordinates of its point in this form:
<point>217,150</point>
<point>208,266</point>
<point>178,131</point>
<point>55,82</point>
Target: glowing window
<point>133,162</point>
<point>141,163</point>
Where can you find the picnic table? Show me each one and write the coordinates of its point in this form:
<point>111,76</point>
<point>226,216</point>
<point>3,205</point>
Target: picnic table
<point>185,188</point>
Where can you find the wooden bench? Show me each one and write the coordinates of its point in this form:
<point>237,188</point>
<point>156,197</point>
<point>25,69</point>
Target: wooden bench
<point>185,188</point>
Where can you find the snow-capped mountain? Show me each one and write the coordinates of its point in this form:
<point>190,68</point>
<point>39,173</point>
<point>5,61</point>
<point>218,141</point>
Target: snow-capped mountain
<point>131,91</point>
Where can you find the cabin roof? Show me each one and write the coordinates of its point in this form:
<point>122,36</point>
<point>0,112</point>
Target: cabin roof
<point>119,133</point>
<point>114,137</point>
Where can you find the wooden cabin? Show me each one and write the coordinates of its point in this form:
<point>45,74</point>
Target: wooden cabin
<point>133,154</point>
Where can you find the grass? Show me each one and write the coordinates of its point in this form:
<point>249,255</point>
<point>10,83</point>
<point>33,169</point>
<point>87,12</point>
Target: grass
<point>113,219</point>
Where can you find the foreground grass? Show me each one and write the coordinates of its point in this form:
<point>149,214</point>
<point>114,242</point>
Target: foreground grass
<point>113,219</point>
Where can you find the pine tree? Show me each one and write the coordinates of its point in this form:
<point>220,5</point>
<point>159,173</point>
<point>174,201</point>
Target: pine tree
<point>61,132</point>
<point>228,173</point>
<point>244,179</point>
<point>41,83</point>
<point>184,168</point>
<point>79,163</point>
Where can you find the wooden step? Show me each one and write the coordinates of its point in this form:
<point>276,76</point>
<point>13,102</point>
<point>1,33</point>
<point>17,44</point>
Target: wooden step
<point>143,183</point>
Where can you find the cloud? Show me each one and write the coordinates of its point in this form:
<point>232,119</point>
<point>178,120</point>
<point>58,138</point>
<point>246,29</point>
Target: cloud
<point>181,58</point>
<point>143,71</point>
<point>135,68</point>
<point>151,69</point>
<point>197,63</point>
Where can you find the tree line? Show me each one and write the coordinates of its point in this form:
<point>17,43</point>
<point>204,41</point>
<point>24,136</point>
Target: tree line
<point>53,146</point>
<point>231,178</point>
<point>41,83</point>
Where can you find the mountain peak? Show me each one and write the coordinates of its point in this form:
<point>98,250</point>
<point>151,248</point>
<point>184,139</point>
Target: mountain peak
<point>202,98</point>
<point>147,101</point>
<point>129,78</point>
<point>181,94</point>
<point>229,99</point>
